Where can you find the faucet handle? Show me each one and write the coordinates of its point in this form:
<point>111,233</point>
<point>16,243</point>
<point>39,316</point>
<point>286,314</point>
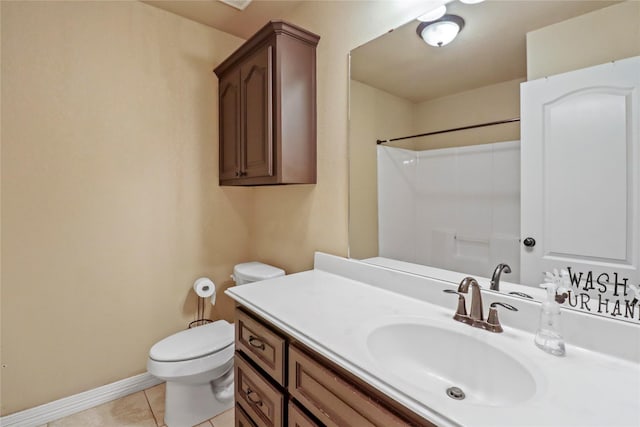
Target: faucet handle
<point>493,323</point>
<point>461,312</point>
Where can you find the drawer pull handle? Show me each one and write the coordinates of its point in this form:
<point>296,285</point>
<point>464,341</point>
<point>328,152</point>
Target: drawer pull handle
<point>248,393</point>
<point>256,342</point>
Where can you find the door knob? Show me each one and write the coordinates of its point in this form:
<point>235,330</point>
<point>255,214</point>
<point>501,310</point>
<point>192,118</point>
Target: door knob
<point>529,242</point>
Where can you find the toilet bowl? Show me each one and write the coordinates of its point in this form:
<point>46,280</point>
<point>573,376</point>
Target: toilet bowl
<point>197,363</point>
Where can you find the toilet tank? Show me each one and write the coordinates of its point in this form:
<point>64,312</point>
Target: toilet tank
<point>254,271</point>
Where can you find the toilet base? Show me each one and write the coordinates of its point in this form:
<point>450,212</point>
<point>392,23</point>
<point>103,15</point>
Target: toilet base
<point>187,405</point>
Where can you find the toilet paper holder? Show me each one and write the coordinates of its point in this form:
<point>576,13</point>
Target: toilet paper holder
<point>203,288</point>
<point>200,319</point>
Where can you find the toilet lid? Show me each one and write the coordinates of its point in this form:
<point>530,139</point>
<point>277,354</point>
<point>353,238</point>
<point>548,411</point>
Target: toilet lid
<point>254,271</point>
<point>193,343</point>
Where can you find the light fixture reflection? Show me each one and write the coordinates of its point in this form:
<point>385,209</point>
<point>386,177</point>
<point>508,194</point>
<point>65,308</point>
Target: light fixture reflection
<point>238,4</point>
<point>442,31</point>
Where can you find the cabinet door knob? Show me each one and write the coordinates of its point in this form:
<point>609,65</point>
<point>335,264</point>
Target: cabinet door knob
<point>243,173</point>
<point>237,173</point>
<point>248,393</point>
<point>529,242</point>
<point>256,342</point>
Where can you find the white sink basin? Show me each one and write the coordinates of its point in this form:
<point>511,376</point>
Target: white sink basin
<point>433,359</point>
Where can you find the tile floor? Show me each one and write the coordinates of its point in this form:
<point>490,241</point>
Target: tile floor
<point>142,409</point>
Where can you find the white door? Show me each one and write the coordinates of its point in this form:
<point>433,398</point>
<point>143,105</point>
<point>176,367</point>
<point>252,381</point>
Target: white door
<point>580,159</point>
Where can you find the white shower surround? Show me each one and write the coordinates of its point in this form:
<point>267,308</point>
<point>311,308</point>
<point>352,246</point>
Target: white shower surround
<point>453,208</point>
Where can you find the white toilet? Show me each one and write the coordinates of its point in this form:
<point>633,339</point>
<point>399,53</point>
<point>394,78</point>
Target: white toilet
<point>197,363</point>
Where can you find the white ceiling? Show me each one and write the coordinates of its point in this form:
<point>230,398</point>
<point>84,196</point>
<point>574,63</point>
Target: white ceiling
<point>241,23</point>
<point>490,49</point>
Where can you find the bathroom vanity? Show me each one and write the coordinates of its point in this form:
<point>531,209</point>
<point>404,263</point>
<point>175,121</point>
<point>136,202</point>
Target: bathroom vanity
<point>354,344</point>
<point>272,368</point>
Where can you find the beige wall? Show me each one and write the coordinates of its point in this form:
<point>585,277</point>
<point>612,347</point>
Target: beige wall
<point>591,39</point>
<point>374,114</point>
<point>110,202</point>
<point>486,104</point>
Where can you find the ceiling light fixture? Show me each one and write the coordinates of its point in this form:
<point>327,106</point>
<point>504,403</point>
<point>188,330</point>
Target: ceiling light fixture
<point>442,31</point>
<point>471,1</point>
<point>436,13</point>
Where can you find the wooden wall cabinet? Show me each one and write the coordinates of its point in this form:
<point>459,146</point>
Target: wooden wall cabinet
<point>267,108</point>
<point>281,383</point>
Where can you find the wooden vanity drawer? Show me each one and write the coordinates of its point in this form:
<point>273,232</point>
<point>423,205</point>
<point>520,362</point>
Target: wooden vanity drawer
<point>262,402</point>
<point>262,345</point>
<point>241,418</point>
<point>331,399</point>
<point>297,418</point>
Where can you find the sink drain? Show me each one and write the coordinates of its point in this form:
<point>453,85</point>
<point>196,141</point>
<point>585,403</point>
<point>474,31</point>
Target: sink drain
<point>455,393</point>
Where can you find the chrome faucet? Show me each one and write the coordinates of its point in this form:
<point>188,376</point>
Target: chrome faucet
<point>475,318</point>
<point>495,279</point>
<point>476,300</point>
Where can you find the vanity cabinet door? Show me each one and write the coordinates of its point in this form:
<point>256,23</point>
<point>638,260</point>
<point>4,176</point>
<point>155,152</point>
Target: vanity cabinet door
<point>241,418</point>
<point>262,402</point>
<point>331,399</point>
<point>261,345</point>
<point>297,418</point>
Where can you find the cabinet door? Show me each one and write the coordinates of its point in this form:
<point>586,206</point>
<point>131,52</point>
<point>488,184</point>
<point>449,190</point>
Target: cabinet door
<point>242,419</point>
<point>230,125</point>
<point>260,344</point>
<point>297,418</point>
<point>331,399</point>
<point>261,401</point>
<point>257,108</point>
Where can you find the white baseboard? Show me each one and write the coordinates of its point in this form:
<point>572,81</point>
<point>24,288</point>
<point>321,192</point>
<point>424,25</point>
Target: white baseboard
<point>61,408</point>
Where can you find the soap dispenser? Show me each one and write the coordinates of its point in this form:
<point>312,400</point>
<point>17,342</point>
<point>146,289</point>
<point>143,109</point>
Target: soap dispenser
<point>548,337</point>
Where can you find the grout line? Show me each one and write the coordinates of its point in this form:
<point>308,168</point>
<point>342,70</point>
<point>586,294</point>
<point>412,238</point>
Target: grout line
<point>153,414</point>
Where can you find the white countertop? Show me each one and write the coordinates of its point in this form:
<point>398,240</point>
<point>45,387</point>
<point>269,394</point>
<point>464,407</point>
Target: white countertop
<point>333,315</point>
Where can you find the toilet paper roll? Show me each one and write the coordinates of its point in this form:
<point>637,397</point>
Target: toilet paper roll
<point>205,288</point>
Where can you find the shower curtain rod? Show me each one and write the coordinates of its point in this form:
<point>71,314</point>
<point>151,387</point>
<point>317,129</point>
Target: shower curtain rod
<point>481,125</point>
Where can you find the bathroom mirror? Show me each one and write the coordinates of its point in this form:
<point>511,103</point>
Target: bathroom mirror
<point>458,212</point>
